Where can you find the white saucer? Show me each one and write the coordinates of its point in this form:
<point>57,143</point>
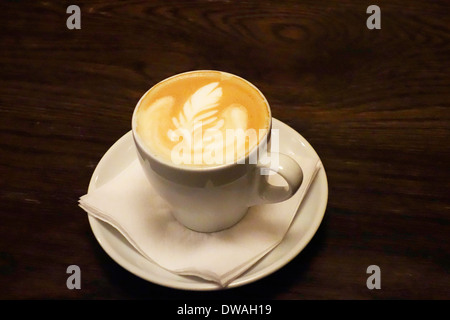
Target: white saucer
<point>303,228</point>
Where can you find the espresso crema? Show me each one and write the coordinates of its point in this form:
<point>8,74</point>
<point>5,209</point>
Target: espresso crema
<point>202,118</point>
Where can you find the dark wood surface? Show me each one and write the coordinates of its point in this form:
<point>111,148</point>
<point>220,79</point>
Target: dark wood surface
<point>373,103</point>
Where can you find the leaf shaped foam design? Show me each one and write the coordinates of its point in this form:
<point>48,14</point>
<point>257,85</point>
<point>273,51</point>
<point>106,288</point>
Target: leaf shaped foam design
<point>202,126</point>
<point>198,108</point>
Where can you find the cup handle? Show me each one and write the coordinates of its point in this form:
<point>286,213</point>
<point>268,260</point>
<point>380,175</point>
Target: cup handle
<point>288,169</point>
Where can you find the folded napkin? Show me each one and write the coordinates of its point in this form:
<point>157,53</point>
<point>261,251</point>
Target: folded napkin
<point>129,203</point>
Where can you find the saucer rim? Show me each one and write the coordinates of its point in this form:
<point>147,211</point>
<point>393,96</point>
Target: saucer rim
<point>247,277</point>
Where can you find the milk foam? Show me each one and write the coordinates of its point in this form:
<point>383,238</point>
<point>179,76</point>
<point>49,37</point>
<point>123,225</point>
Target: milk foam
<point>202,129</point>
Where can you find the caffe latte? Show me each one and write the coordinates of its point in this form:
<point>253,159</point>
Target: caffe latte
<point>202,118</point>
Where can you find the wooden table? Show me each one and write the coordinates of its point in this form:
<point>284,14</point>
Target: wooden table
<point>374,104</point>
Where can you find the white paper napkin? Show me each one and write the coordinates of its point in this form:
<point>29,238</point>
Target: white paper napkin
<point>130,204</point>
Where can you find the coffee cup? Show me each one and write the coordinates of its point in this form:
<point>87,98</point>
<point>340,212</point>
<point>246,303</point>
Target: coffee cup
<point>205,141</point>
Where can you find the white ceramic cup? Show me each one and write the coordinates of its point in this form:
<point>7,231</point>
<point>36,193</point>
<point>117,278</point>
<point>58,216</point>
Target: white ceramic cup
<point>213,198</point>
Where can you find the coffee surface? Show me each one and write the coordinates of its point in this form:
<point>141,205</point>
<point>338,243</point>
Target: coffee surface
<point>202,118</point>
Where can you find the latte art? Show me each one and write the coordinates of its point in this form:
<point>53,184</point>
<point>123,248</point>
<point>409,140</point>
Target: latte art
<point>199,111</point>
<point>203,119</point>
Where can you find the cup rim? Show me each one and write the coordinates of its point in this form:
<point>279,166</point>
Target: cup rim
<point>209,168</point>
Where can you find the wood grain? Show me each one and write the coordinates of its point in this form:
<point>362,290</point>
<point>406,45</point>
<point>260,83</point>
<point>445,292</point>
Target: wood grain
<point>373,103</point>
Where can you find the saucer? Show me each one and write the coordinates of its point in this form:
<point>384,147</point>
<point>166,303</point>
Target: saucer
<point>308,218</point>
